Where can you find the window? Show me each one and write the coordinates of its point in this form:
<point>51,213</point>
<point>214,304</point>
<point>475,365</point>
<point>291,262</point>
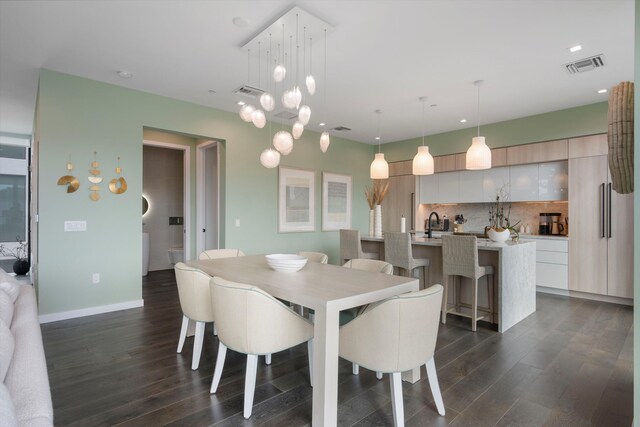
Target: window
<point>14,193</point>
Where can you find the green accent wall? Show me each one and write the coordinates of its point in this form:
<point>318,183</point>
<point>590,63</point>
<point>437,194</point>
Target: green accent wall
<point>76,116</point>
<point>586,120</point>
<point>636,221</point>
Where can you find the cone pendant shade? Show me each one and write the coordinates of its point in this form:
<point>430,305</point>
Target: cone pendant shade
<point>379,167</point>
<point>478,155</point>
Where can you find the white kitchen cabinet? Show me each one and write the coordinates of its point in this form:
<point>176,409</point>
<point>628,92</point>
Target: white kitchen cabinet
<point>448,187</point>
<point>523,181</point>
<point>471,186</point>
<point>428,189</point>
<point>493,180</point>
<point>552,263</point>
<point>553,181</point>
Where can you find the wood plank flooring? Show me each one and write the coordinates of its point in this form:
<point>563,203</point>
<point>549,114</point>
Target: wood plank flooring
<point>568,364</point>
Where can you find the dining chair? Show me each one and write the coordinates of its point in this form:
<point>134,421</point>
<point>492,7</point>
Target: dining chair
<point>220,253</point>
<point>315,256</point>
<point>252,322</point>
<point>397,335</point>
<point>348,315</point>
<point>195,301</point>
<point>351,246</point>
<point>460,258</point>
<point>398,251</point>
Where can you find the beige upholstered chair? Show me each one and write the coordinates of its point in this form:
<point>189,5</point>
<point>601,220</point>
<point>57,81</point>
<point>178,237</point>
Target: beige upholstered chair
<point>348,315</point>
<point>460,258</point>
<point>195,301</point>
<point>252,322</point>
<point>396,335</point>
<point>351,246</point>
<point>220,253</point>
<point>398,251</point>
<point>315,256</point>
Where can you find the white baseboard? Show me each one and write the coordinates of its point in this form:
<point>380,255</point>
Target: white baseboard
<point>585,295</point>
<point>90,311</point>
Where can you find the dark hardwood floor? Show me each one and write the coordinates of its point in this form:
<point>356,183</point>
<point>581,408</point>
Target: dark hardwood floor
<point>569,364</point>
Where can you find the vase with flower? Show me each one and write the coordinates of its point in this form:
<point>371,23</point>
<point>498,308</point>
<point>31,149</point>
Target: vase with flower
<point>375,195</point>
<point>500,227</point>
<point>19,251</point>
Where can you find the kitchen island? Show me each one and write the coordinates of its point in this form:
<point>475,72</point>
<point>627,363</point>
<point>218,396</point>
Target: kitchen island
<point>514,284</point>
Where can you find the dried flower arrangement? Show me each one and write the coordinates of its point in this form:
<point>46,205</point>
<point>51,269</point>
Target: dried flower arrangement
<point>19,252</point>
<point>498,218</point>
<point>376,193</point>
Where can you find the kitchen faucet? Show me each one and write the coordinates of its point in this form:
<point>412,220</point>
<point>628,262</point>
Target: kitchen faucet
<point>429,233</point>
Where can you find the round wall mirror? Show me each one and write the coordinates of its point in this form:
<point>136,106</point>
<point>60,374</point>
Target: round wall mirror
<point>145,205</point>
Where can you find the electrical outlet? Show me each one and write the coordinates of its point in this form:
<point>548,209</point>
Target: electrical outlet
<point>95,278</point>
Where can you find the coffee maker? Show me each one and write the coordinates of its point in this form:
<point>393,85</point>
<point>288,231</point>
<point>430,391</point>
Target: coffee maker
<point>550,224</point>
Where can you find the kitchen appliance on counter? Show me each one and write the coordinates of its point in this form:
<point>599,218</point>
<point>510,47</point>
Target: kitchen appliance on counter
<point>550,224</point>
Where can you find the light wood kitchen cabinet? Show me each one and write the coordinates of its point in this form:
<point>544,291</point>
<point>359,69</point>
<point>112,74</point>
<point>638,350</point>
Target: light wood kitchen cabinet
<point>600,230</point>
<point>537,153</point>
<point>587,146</point>
<point>523,180</point>
<point>553,180</point>
<point>498,157</point>
<point>400,198</point>
<point>444,163</point>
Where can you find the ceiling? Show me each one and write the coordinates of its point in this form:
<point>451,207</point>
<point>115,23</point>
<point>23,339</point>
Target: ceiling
<point>381,55</point>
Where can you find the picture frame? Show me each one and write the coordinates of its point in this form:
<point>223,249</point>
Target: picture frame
<point>296,200</point>
<point>336,201</point>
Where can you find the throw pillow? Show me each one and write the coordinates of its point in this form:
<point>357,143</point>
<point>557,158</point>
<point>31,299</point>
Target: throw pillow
<point>6,308</point>
<point>9,284</point>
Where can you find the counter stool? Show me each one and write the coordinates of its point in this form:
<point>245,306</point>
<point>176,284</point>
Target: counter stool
<point>351,246</point>
<point>398,252</point>
<point>460,258</point>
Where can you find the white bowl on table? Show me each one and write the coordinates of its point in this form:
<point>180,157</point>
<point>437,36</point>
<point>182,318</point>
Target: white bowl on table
<point>286,263</point>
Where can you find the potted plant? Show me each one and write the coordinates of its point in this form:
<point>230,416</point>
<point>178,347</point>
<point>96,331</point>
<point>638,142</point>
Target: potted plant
<point>20,253</point>
<point>500,228</point>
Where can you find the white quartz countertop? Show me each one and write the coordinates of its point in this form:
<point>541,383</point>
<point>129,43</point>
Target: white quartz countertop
<point>522,235</point>
<point>483,244</point>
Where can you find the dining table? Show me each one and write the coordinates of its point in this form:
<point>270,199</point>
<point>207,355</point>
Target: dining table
<point>325,288</point>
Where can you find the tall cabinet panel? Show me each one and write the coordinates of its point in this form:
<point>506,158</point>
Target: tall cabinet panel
<point>620,244</point>
<point>588,268</point>
<point>400,199</point>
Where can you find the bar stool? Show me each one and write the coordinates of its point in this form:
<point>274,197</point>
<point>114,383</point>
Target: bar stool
<point>397,251</point>
<point>351,246</point>
<point>460,258</point>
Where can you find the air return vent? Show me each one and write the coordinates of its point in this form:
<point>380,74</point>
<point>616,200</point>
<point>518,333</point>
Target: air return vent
<point>286,115</point>
<point>586,64</point>
<point>249,91</point>
<point>341,129</point>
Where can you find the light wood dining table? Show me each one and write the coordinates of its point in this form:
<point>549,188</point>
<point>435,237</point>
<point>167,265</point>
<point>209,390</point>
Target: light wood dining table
<point>327,289</point>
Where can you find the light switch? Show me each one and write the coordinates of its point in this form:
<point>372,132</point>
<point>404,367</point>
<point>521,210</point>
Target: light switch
<point>75,226</point>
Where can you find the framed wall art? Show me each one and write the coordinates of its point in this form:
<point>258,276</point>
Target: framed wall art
<point>336,201</point>
<point>296,200</point>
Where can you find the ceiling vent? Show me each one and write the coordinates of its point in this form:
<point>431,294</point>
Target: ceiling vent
<point>586,64</point>
<point>341,129</point>
<point>286,115</point>
<point>247,90</point>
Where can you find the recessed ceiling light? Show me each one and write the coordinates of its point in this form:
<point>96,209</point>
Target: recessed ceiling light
<point>240,103</point>
<point>463,120</point>
<point>575,48</point>
<point>125,74</point>
<point>377,138</point>
<point>239,21</point>
<point>321,124</point>
<point>212,91</point>
<point>602,91</point>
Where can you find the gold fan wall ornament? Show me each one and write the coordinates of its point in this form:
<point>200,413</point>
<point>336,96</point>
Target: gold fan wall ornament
<point>118,185</point>
<point>70,181</point>
<point>95,179</point>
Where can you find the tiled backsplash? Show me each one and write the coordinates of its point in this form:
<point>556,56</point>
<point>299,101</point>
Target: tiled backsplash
<point>477,214</point>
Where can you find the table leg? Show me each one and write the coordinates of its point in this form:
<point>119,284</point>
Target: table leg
<point>325,367</point>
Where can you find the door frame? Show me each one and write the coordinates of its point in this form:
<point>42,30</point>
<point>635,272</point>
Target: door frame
<point>200,195</point>
<point>186,181</point>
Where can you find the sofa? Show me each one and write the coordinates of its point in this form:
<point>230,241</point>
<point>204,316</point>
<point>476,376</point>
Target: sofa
<point>25,397</point>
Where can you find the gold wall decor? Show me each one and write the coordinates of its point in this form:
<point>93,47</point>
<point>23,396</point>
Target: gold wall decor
<point>70,181</point>
<point>95,179</point>
<point>118,185</point>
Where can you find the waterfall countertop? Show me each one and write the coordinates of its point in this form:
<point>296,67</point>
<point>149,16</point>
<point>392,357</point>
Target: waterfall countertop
<point>483,244</point>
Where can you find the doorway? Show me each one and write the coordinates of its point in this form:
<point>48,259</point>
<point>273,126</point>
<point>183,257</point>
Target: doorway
<point>207,195</point>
